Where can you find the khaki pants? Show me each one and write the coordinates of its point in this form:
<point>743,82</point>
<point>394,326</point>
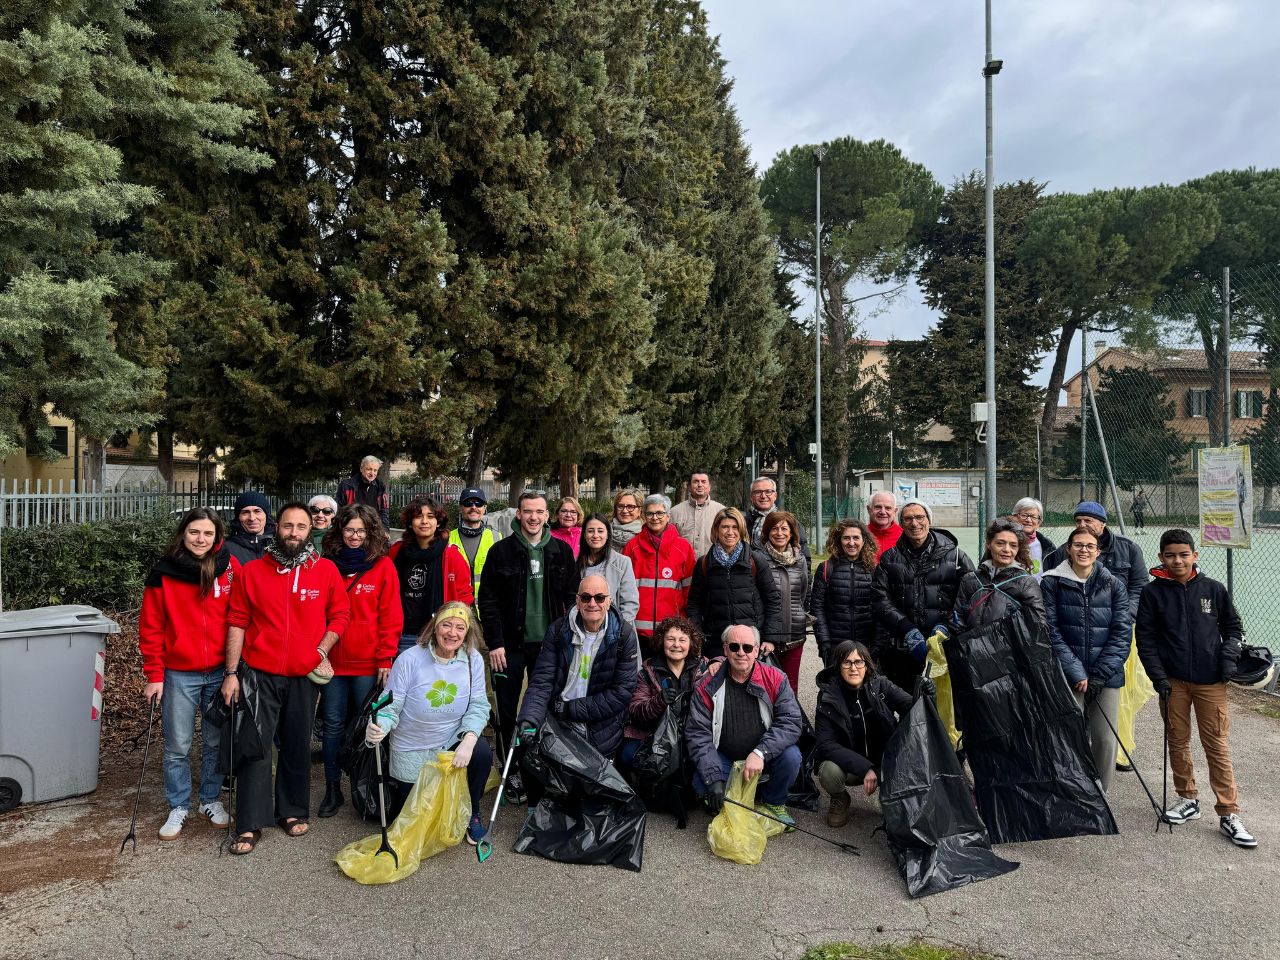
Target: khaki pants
<point>1214,722</point>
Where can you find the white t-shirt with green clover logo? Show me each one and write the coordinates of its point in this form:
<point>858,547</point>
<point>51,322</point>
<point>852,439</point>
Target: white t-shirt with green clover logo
<point>433,705</point>
<point>585,646</point>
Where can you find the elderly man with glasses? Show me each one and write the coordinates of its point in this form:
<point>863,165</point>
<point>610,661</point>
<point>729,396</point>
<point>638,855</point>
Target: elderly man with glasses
<point>858,710</point>
<point>746,711</point>
<point>764,500</point>
<point>586,671</point>
<point>663,563</point>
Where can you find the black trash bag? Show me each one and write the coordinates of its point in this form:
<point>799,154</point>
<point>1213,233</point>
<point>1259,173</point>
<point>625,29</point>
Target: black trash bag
<point>804,792</point>
<point>933,827</point>
<point>1024,735</point>
<point>248,739</point>
<point>659,771</point>
<point>357,761</point>
<point>588,813</point>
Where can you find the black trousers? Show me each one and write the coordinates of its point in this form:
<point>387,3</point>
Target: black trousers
<point>506,690</point>
<point>286,709</point>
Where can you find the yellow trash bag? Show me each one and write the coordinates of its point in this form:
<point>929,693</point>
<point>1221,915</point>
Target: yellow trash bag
<point>434,817</point>
<point>937,661</point>
<point>737,834</point>
<point>1137,690</point>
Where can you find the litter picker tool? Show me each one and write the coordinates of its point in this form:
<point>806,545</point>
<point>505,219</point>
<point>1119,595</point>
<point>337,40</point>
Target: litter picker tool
<point>385,846</point>
<point>484,848</point>
<point>131,836</point>
<point>229,839</point>
<point>1161,817</point>
<point>846,847</point>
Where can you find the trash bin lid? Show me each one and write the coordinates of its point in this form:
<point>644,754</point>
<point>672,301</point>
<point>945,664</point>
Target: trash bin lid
<point>70,618</point>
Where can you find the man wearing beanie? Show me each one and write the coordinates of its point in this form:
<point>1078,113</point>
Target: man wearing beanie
<point>251,527</point>
<point>913,591</point>
<point>1120,555</point>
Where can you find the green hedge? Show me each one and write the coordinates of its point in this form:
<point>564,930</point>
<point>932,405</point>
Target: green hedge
<point>101,564</point>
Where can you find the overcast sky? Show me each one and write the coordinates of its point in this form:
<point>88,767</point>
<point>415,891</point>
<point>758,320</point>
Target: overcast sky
<point>1094,93</point>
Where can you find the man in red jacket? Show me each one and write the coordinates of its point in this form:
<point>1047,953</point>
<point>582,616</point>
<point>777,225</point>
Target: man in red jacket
<point>289,610</point>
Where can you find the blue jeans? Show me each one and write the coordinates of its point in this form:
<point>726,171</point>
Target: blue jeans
<point>186,693</point>
<point>333,713</point>
<point>780,770</point>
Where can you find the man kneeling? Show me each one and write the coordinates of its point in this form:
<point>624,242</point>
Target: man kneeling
<point>745,711</point>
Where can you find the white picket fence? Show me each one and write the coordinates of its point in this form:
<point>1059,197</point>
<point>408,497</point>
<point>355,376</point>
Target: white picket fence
<point>29,503</point>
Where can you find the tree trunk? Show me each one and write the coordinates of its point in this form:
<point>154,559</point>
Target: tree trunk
<point>475,459</point>
<point>514,489</point>
<point>782,478</point>
<point>164,450</point>
<point>95,463</point>
<point>1216,363</point>
<point>840,476</point>
<point>1056,375</point>
<point>568,480</point>
<point>604,483</point>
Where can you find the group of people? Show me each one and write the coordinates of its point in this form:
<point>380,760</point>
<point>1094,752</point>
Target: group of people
<point>610,621</point>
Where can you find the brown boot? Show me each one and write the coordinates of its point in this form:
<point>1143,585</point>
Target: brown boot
<point>838,815</point>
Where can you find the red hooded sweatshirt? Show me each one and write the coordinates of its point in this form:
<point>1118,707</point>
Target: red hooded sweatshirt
<point>285,613</point>
<point>377,620</point>
<point>181,630</point>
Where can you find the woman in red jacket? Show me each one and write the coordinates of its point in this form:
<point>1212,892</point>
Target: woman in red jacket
<point>357,543</point>
<point>432,571</point>
<point>182,636</point>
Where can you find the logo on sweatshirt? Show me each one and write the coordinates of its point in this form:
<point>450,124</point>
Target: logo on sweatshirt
<point>307,594</point>
<point>1206,605</point>
<point>441,694</point>
<point>365,588</point>
<point>417,578</point>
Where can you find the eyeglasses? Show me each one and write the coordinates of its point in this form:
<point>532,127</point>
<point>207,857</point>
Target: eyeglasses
<point>1028,517</point>
<point>654,514</point>
<point>328,512</point>
<point>597,597</point>
<point>354,533</point>
<point>757,493</point>
<point>914,521</point>
<point>1084,547</point>
<point>858,664</point>
<point>626,508</point>
<point>741,647</point>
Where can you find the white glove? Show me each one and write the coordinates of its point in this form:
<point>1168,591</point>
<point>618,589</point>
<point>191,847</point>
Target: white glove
<point>373,734</point>
<point>462,752</point>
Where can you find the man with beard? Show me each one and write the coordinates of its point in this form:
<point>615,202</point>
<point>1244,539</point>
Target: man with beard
<point>251,526</point>
<point>287,612</point>
<point>472,536</point>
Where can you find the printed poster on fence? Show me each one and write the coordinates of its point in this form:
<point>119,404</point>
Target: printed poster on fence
<point>1226,497</point>
<point>940,491</point>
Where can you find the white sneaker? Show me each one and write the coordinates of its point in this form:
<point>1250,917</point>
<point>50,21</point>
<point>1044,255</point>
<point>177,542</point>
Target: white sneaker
<point>1184,810</point>
<point>173,826</point>
<point>216,813</point>
<point>1232,827</point>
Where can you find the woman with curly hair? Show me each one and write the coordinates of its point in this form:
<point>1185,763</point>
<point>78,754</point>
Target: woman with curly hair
<point>432,571</point>
<point>668,677</point>
<point>841,597</point>
<point>357,543</point>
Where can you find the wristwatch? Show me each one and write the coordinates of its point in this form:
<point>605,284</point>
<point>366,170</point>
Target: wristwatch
<point>231,673</point>
<point>757,750</point>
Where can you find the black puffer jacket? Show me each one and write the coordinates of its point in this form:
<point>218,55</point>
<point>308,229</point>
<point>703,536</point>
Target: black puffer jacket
<point>1188,631</point>
<point>841,605</point>
<point>916,589</point>
<point>1122,558</point>
<point>792,582</point>
<point>603,711</point>
<point>854,739</point>
<point>988,595</point>
<point>743,593</point>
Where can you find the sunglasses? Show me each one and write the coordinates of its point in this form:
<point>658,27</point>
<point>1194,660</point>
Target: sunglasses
<point>325,510</point>
<point>588,597</point>
<point>472,503</point>
<point>741,647</point>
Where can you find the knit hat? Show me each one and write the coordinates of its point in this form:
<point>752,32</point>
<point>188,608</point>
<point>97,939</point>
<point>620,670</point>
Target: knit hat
<point>253,498</point>
<point>1091,508</point>
<point>913,502</point>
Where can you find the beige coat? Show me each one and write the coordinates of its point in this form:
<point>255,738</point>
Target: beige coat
<point>694,523</point>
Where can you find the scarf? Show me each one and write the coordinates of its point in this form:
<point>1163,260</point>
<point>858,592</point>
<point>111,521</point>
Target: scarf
<point>432,560</point>
<point>727,560</point>
<point>352,560</point>
<point>186,568</point>
<point>305,557</point>
<point>465,531</point>
<point>784,557</point>
<point>621,533</point>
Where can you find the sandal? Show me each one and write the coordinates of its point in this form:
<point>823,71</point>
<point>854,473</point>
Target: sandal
<point>246,841</point>
<point>293,826</point>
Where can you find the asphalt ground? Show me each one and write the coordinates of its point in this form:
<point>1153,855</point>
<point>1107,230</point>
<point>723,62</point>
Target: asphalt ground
<point>66,892</point>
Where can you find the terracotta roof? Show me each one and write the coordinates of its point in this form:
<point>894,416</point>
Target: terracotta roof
<point>1242,361</point>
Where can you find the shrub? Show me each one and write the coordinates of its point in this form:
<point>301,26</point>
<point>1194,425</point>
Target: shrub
<point>101,563</point>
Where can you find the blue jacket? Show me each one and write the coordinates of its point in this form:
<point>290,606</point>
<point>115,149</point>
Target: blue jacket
<point>603,711</point>
<point>1089,624</point>
<point>1122,557</point>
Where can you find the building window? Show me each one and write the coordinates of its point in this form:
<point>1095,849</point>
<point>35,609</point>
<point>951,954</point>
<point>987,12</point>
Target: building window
<point>1197,403</point>
<point>60,440</point>
<point>1248,404</point>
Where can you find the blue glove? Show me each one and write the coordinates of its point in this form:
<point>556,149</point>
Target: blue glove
<point>916,644</point>
<point>942,629</point>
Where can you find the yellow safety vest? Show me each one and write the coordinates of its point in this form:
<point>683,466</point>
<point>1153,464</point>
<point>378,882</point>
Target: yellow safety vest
<point>486,541</point>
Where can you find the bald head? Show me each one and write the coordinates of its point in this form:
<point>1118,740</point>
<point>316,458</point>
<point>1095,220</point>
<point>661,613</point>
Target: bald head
<point>593,602</point>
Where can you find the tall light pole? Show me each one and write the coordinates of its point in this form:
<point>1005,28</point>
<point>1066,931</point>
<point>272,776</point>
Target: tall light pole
<point>818,154</point>
<point>990,68</point>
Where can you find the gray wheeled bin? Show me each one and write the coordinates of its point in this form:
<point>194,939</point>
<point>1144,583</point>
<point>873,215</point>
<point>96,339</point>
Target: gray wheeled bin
<point>51,671</point>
